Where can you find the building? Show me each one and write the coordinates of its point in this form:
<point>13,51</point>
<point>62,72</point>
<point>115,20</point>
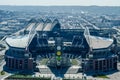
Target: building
<point>48,40</point>
<point>101,56</point>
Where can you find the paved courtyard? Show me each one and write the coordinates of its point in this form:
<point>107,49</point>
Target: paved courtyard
<point>72,74</point>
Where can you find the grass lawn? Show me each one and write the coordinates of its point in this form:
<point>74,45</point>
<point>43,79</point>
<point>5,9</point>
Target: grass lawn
<point>103,76</point>
<point>2,73</point>
<point>100,76</point>
<point>21,76</point>
<point>27,77</point>
<point>74,62</point>
<point>71,79</point>
<point>44,61</point>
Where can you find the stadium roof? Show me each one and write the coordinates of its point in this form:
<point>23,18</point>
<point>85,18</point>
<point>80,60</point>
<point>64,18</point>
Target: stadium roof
<point>48,27</point>
<point>30,26</point>
<point>38,25</point>
<point>41,25</point>
<point>97,42</point>
<point>17,41</point>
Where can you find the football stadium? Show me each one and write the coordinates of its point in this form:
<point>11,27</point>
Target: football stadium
<point>44,47</point>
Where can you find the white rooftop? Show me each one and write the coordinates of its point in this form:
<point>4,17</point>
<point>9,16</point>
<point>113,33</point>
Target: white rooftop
<point>17,41</point>
<point>98,42</point>
<point>30,26</point>
<point>48,27</point>
<point>40,27</point>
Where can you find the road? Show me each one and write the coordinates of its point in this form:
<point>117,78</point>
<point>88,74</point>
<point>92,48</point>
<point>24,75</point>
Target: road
<point>95,27</point>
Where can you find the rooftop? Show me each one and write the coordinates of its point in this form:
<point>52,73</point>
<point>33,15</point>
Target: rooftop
<point>99,42</point>
<point>17,41</point>
<point>41,25</point>
<point>48,27</point>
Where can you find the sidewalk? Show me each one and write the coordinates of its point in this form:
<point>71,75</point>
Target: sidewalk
<point>5,76</point>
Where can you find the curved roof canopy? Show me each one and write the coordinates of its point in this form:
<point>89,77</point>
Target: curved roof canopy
<point>99,42</point>
<point>96,42</point>
<point>42,25</point>
<point>17,41</point>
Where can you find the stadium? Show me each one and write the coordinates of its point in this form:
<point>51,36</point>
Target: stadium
<point>44,39</point>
